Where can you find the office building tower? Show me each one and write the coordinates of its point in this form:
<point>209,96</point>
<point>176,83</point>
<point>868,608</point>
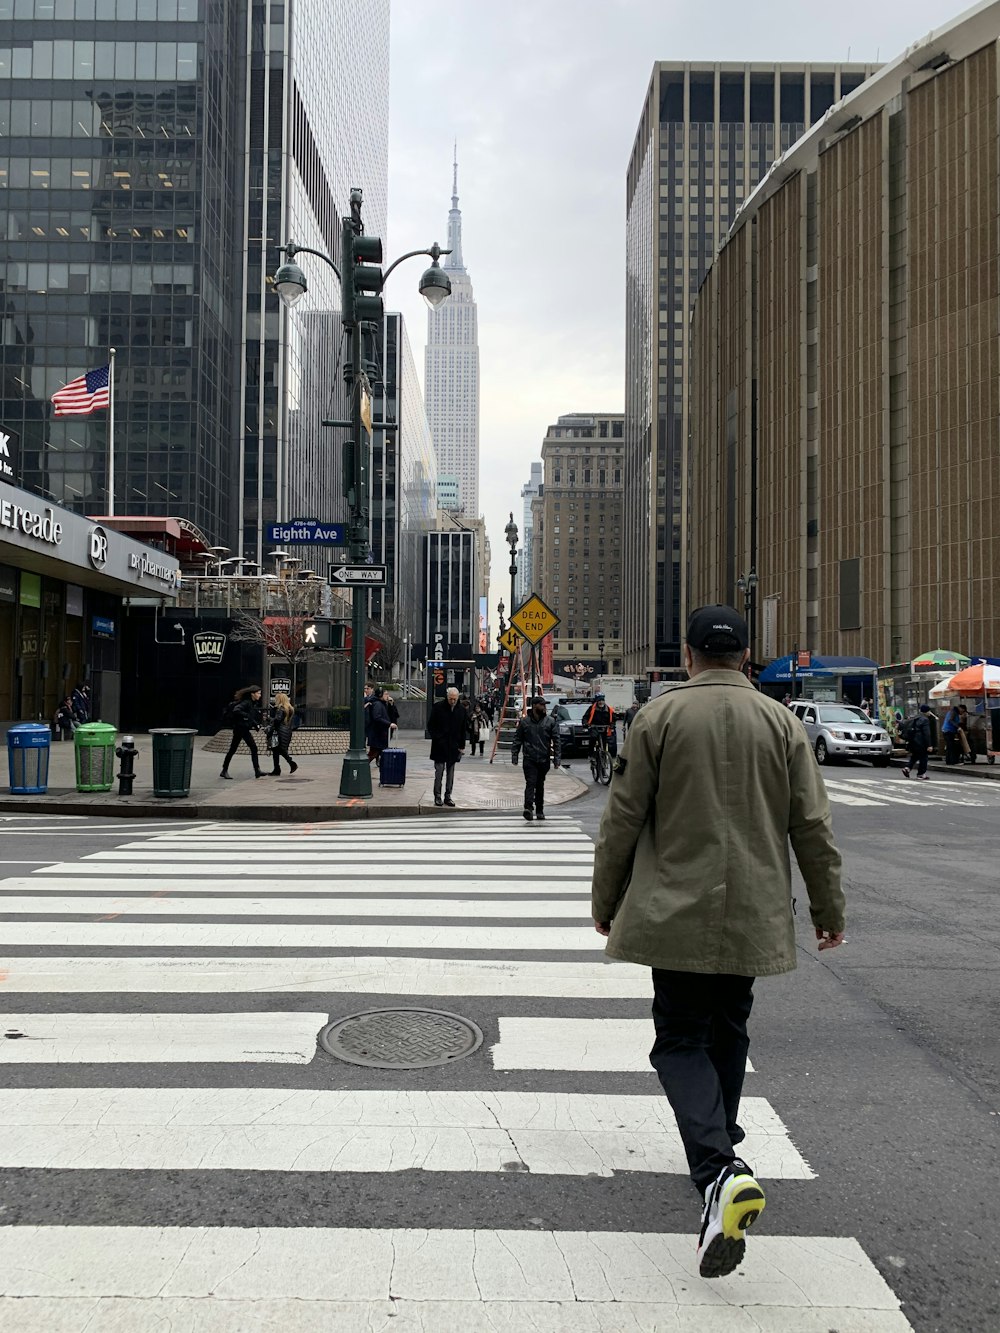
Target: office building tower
<point>451,372</point>
<point>403,491</point>
<point>452,590</point>
<point>152,161</point>
<point>706,136</point>
<point>852,462</point>
<point>525,569</point>
<point>448,493</point>
<point>578,544</point>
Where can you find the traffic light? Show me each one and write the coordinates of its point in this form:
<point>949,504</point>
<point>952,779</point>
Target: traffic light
<point>361,256</point>
<point>323,633</point>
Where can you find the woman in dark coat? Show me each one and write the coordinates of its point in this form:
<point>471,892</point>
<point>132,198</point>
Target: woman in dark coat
<point>378,726</point>
<point>279,733</point>
<point>244,716</point>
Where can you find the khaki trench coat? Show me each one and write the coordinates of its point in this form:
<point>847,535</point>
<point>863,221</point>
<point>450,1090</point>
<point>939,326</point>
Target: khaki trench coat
<point>692,865</point>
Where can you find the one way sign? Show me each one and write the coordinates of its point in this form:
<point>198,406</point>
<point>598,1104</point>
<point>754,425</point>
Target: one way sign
<point>359,576</point>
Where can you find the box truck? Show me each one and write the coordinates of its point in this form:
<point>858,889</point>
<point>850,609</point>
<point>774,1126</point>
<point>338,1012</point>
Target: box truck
<point>619,691</point>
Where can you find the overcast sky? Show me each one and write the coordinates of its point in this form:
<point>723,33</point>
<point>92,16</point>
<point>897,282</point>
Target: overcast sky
<point>544,98</point>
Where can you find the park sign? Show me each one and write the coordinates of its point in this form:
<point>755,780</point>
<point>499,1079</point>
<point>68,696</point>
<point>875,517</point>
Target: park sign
<point>533,619</point>
<point>306,532</point>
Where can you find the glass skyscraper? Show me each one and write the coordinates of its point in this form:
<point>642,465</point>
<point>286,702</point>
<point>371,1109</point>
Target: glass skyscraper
<point>153,153</point>
<point>707,135</point>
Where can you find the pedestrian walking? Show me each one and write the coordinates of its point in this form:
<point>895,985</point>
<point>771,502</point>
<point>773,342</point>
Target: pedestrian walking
<point>448,728</point>
<point>479,729</point>
<point>65,721</point>
<point>916,732</point>
<point>81,704</point>
<point>368,698</point>
<point>692,879</point>
<point>628,717</point>
<point>378,725</point>
<point>951,729</point>
<point>243,714</point>
<point>279,733</point>
<point>538,736</point>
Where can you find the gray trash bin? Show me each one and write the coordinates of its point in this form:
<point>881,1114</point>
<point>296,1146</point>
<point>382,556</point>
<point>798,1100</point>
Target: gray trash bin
<point>28,748</point>
<point>173,752</point>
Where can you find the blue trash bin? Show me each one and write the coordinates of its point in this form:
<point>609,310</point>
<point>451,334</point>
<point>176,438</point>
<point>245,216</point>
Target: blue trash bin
<point>28,758</point>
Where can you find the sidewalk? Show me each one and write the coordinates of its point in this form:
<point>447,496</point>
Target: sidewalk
<point>309,794</point>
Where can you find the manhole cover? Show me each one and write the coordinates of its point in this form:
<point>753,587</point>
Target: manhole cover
<point>401,1038</point>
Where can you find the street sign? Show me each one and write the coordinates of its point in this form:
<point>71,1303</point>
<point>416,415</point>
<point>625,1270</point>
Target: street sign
<point>306,532</point>
<point>509,640</point>
<point>359,576</point>
<point>534,619</point>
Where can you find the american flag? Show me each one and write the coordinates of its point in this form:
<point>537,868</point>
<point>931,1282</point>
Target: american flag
<point>82,396</point>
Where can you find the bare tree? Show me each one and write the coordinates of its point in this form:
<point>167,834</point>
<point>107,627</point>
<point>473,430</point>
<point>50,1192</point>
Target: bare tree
<point>390,631</point>
<point>280,625</point>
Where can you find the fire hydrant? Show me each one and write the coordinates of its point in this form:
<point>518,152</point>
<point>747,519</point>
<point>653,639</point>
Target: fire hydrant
<point>126,752</point>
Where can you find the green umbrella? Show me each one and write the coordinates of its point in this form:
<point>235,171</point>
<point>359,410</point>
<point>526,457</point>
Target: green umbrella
<point>939,659</point>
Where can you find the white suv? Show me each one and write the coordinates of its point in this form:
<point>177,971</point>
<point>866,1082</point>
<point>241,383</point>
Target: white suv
<point>842,731</point>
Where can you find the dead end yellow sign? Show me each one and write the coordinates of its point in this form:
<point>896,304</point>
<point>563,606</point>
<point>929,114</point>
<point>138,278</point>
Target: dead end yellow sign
<point>509,640</point>
<point>534,619</point>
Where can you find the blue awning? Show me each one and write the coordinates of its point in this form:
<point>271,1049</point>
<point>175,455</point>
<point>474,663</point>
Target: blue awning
<point>780,670</point>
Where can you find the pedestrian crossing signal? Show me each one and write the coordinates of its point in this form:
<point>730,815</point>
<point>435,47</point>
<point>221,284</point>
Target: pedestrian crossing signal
<point>323,633</point>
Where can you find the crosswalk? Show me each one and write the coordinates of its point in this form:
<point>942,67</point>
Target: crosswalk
<point>891,790</point>
<point>179,1152</point>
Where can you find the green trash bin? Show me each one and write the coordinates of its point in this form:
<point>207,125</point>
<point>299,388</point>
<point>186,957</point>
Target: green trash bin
<point>173,751</point>
<point>94,752</point>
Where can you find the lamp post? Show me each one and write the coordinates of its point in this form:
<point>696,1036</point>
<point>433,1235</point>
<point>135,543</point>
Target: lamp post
<point>747,584</point>
<point>359,274</point>
<point>600,649</point>
<point>503,624</point>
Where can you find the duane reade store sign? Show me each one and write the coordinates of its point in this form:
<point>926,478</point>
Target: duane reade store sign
<point>50,540</point>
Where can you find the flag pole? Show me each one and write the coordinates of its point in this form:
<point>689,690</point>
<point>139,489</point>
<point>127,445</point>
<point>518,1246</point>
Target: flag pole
<point>111,432</point>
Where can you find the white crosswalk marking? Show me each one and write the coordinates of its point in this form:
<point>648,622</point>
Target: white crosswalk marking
<point>887,791</point>
<point>186,963</point>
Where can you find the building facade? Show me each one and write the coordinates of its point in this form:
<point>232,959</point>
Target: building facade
<point>525,569</point>
<point>451,604</point>
<point>706,136</point>
<point>846,412</point>
<point>578,538</point>
<point>451,373</point>
<point>152,156</point>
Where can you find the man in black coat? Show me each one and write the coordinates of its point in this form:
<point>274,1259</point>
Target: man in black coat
<point>538,736</point>
<point>448,728</point>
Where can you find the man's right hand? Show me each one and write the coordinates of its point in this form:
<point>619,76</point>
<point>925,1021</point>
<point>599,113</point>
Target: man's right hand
<point>829,939</point>
<point>513,759</point>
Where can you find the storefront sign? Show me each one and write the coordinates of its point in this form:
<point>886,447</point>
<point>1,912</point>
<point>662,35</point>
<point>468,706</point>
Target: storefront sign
<point>97,547</point>
<point>40,523</point>
<point>148,566</point>
<point>31,589</point>
<point>209,647</point>
<point>103,627</point>
<point>9,441</point>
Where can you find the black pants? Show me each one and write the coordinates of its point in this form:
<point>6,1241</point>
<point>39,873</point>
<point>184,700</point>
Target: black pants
<point>700,1056</point>
<point>918,759</point>
<point>952,748</point>
<point>534,783</point>
<point>280,751</point>
<point>245,735</point>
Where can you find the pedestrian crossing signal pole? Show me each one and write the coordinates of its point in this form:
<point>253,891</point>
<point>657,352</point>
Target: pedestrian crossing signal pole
<point>361,283</point>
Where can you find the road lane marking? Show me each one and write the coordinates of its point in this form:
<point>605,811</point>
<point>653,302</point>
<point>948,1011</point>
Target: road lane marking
<point>238,935</point>
<point>577,907</point>
<point>96,1038</point>
<point>612,1045</point>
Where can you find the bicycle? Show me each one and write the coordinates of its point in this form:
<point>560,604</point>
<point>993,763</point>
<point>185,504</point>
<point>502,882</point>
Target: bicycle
<point>600,757</point>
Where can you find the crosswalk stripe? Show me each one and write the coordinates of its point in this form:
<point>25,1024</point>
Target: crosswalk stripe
<point>432,1281</point>
<point>287,1037</point>
<point>577,907</point>
<point>613,1045</point>
<point>363,974</point>
<point>237,935</point>
<point>311,867</point>
<point>481,857</point>
<point>236,1129</point>
<point>96,881</point>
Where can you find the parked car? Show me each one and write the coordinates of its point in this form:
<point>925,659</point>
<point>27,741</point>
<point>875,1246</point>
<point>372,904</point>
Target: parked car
<point>838,731</point>
<point>575,737</point>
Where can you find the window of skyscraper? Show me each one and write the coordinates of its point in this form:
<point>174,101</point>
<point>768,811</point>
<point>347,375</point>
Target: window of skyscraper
<point>761,98</point>
<point>672,97</point>
<point>848,83</point>
<point>731,97</point>
<point>702,98</point>
<point>793,99</point>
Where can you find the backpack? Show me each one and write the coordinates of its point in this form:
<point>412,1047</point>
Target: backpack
<point>229,713</point>
<point>908,729</point>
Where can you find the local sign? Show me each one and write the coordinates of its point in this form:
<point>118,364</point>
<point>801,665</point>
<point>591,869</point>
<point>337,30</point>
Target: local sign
<point>209,647</point>
<point>306,532</point>
<point>534,619</point>
<point>360,576</point>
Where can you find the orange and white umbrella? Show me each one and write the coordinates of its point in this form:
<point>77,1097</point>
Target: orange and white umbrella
<point>981,678</point>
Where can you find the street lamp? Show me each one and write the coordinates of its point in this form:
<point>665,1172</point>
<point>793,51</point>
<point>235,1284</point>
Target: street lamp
<point>503,624</point>
<point>510,535</point>
<point>600,649</point>
<point>747,584</point>
<point>361,283</point>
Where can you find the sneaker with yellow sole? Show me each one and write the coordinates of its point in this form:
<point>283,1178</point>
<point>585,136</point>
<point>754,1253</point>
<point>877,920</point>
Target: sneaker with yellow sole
<point>732,1204</point>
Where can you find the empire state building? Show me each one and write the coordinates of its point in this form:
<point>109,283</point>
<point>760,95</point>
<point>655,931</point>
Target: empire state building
<point>451,374</point>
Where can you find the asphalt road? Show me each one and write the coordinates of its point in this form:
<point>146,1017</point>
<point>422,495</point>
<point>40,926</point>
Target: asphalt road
<point>880,1057</point>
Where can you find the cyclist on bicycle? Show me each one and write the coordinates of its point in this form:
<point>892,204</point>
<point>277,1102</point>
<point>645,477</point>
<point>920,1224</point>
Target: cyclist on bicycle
<point>601,717</point>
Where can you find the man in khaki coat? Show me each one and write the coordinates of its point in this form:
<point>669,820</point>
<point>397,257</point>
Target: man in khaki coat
<point>692,878</point>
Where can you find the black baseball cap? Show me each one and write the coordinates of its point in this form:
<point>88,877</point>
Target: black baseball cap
<point>717,629</point>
